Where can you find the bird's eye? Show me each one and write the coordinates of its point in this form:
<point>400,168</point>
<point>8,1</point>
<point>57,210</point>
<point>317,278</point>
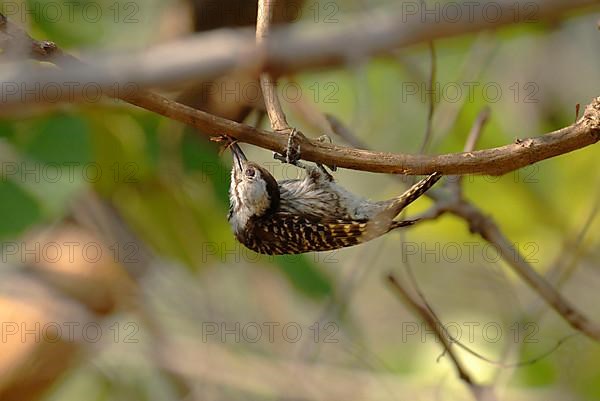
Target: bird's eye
<point>250,172</point>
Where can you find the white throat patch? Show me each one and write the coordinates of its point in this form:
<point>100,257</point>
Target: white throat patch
<point>248,199</point>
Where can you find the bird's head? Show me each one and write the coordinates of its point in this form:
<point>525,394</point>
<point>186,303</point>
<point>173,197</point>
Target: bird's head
<point>253,191</point>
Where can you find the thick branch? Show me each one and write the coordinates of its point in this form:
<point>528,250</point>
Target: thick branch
<point>489,231</point>
<point>453,202</point>
<point>16,45</point>
<point>496,161</point>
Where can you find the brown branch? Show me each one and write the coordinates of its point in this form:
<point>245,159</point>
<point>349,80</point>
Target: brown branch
<point>267,82</point>
<point>489,231</point>
<point>486,227</point>
<point>495,161</point>
<point>15,45</point>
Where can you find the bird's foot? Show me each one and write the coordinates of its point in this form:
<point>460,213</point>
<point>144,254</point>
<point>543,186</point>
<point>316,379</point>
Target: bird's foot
<point>333,168</point>
<point>325,138</point>
<point>292,151</point>
<point>292,155</point>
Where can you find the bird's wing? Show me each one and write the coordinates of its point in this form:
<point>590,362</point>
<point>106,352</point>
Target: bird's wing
<point>286,233</point>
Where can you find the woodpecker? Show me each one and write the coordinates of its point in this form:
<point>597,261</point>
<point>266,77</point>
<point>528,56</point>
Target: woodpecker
<point>313,213</point>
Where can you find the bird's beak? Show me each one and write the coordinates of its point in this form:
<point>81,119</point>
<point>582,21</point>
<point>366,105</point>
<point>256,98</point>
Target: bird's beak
<point>239,158</point>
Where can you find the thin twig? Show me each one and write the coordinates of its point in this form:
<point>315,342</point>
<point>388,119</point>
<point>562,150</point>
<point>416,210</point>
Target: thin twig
<point>432,100</point>
<point>433,325</point>
<point>268,84</point>
<point>477,129</point>
<point>434,316</point>
<point>344,132</point>
<point>479,392</point>
<point>576,247</point>
<point>472,139</point>
<point>480,55</point>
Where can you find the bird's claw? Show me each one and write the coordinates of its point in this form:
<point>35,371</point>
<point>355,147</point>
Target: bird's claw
<point>333,168</point>
<point>324,138</point>
<point>292,152</point>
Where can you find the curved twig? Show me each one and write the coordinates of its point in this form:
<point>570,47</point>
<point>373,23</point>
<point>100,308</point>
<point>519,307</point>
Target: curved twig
<point>268,84</point>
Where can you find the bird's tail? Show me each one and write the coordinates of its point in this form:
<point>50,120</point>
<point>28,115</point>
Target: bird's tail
<point>384,222</point>
<point>413,193</point>
<point>402,223</point>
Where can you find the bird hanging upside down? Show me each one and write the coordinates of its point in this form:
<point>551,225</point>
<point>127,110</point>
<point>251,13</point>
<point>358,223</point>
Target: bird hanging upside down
<point>309,214</point>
